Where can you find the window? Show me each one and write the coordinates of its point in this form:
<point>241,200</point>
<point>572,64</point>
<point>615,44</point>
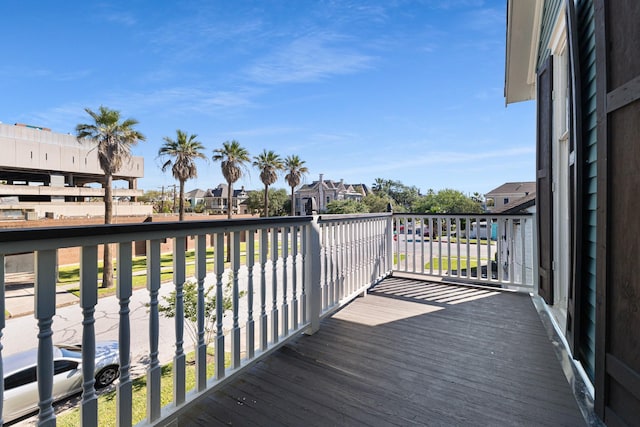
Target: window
<point>505,201</point>
<point>61,366</point>
<point>21,378</point>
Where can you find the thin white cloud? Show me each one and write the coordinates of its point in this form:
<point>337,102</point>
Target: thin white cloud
<point>309,58</point>
<point>122,18</point>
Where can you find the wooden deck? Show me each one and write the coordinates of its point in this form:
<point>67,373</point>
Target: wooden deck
<point>409,353</point>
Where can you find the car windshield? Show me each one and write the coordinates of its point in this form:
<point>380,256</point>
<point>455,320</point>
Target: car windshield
<point>69,351</point>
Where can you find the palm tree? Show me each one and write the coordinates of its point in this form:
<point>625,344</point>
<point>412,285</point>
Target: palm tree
<point>295,170</point>
<point>114,139</point>
<point>184,150</point>
<point>268,163</point>
<point>233,158</point>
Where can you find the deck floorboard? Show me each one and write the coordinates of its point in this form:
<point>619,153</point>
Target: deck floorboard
<point>409,353</point>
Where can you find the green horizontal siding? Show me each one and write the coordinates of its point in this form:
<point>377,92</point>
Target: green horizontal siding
<point>549,17</point>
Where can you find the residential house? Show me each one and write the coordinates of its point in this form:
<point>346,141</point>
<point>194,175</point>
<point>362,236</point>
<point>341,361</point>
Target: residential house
<point>216,200</point>
<point>579,60</point>
<point>322,192</point>
<point>195,197</point>
<point>507,193</point>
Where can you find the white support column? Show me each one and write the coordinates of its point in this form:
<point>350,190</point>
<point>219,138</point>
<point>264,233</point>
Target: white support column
<point>235,331</point>
<point>219,271</point>
<point>250,334</point>
<point>124,389</point>
<point>179,359</point>
<point>313,276</point>
<point>88,301</point>
<point>45,309</point>
<point>154,370</point>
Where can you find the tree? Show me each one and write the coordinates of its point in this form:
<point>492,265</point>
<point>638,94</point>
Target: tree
<point>114,139</point>
<point>295,170</point>
<point>278,199</point>
<point>190,304</point>
<point>183,151</point>
<point>268,163</point>
<point>233,158</point>
<point>349,206</point>
<point>378,202</point>
<point>446,201</point>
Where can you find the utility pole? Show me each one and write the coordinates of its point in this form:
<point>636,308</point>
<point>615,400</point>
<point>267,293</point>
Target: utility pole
<point>162,201</point>
<point>173,210</point>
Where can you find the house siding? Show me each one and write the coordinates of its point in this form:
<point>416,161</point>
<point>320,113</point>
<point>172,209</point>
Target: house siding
<point>587,54</point>
<point>549,16</point>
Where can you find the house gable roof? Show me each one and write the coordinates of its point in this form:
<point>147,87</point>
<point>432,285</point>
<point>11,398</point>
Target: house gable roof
<point>518,205</point>
<point>525,188</point>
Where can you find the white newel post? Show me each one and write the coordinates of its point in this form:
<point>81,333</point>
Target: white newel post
<point>312,274</point>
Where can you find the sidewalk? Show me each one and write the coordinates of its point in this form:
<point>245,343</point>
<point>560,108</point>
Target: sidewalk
<point>19,293</point>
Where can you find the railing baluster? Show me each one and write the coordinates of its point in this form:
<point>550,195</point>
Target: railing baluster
<point>264,248</point>
<point>251,335</point>
<point>294,275</point>
<point>219,346</point>
<point>478,246</point>
<point>312,280</point>
<point>154,370</point>
<point>274,285</point>
<point>304,235</point>
<point>88,301</point>
<point>124,391</point>
<point>235,300</point>
<point>179,359</point>
<point>285,295</point>
<point>467,223</point>
<point>2,326</point>
<point>45,309</point>
<point>458,257</point>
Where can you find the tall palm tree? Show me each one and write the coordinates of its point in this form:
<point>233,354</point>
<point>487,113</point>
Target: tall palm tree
<point>268,163</point>
<point>114,139</point>
<point>233,158</point>
<point>295,170</point>
<point>184,150</point>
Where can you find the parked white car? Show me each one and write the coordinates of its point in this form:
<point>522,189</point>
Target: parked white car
<point>21,385</point>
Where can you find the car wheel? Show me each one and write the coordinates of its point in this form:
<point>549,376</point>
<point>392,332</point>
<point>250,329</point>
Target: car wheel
<point>106,376</point>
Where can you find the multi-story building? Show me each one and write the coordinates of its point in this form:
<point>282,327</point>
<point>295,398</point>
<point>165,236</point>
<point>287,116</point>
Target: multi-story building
<point>325,191</point>
<point>508,193</point>
<point>48,174</point>
<point>216,200</point>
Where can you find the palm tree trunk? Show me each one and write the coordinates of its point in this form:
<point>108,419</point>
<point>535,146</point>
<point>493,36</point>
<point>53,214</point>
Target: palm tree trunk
<point>181,214</point>
<point>229,213</point>
<point>107,263</point>
<point>266,200</point>
<point>293,201</point>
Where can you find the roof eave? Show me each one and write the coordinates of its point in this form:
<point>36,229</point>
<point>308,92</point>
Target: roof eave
<point>523,35</point>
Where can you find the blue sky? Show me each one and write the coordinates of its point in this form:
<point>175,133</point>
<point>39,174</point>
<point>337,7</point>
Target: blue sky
<point>403,90</point>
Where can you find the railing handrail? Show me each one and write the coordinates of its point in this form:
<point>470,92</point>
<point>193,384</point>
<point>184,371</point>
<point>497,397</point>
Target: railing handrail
<point>29,239</point>
<point>482,215</point>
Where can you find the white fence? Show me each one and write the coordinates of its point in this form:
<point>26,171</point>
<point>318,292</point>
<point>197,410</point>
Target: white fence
<point>495,250</point>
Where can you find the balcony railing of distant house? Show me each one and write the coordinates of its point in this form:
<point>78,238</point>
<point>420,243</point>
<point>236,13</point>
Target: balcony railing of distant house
<point>494,250</point>
<point>285,274</point>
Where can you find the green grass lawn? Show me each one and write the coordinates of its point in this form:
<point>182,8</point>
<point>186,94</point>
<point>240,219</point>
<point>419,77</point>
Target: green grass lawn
<point>446,263</point>
<point>107,401</point>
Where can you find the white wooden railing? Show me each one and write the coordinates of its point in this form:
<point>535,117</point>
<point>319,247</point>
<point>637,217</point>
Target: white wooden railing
<point>496,250</point>
<point>292,272</point>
